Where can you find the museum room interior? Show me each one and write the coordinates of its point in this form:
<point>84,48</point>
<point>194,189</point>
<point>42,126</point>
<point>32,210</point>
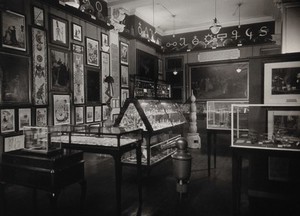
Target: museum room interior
<point>150,107</point>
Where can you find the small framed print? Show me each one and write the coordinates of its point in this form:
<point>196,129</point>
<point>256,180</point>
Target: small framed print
<point>79,115</point>
<point>61,109</point>
<point>76,32</point>
<point>59,33</point>
<point>24,118</point>
<point>124,76</point>
<point>105,112</point>
<point>92,51</point>
<point>124,96</point>
<point>13,30</point>
<point>7,120</point>
<point>124,53</point>
<point>38,16</point>
<point>104,42</point>
<point>98,113</point>
<point>89,114</point>
<point>41,117</point>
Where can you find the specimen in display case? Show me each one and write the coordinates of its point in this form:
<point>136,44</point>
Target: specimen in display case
<point>267,126</point>
<point>218,115</point>
<point>159,120</point>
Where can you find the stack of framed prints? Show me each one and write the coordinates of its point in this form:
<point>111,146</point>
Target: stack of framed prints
<point>124,74</point>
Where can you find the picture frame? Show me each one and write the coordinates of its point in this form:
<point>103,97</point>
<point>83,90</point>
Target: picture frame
<point>8,118</point>
<point>60,70</point>
<point>78,74</point>
<point>76,32</point>
<point>282,83</point>
<point>24,116</point>
<point>59,34</point>
<point>104,73</point>
<point>41,117</point>
<point>146,64</point>
<point>39,65</point>
<point>92,85</point>
<point>92,52</point>
<point>105,112</point>
<point>98,113</point>
<point>220,81</point>
<point>15,79</point>
<point>124,96</point>
<point>38,16</point>
<point>13,142</point>
<point>123,53</point>
<point>160,67</point>
<point>104,42</point>
<point>89,114</point>
<point>61,109</point>
<point>79,115</point>
<point>124,76</point>
<point>14,31</point>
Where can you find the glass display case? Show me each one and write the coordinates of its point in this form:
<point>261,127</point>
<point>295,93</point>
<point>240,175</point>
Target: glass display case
<point>266,126</point>
<point>161,121</point>
<point>218,115</point>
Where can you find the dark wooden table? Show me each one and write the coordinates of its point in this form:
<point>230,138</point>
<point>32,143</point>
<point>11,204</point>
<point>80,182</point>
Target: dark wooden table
<point>50,173</point>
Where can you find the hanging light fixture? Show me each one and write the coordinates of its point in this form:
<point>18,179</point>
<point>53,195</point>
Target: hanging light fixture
<point>215,27</point>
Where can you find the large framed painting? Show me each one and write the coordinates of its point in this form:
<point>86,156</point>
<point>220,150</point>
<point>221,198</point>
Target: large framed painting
<point>104,73</point>
<point>228,81</point>
<point>39,64</point>
<point>79,115</point>
<point>282,83</point>
<point>24,117</point>
<point>92,51</point>
<point>61,109</point>
<point>60,70</point>
<point>59,31</point>
<point>78,74</point>
<point>14,79</point>
<point>124,76</point>
<point>124,53</point>
<point>7,117</point>
<point>13,30</point>
<point>146,64</point>
<point>41,117</point>
<point>92,86</point>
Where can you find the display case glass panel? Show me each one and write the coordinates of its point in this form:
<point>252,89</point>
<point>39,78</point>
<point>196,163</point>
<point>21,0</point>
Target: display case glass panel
<point>267,126</point>
<point>131,119</point>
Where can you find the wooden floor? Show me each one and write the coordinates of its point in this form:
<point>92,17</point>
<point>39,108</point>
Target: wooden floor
<point>207,196</point>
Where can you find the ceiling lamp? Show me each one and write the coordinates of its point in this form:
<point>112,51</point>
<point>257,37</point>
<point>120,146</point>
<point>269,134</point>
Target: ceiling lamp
<point>73,3</point>
<point>215,27</point>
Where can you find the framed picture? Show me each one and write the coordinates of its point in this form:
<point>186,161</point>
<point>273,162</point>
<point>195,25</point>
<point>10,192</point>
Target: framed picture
<point>92,51</point>
<point>41,117</point>
<point>92,86</point>
<point>98,113</point>
<point>146,64</point>
<point>40,69</point>
<point>78,74</point>
<point>124,96</point>
<point>38,16</point>
<point>7,120</point>
<point>282,83</point>
<point>228,81</point>
<point>13,142</point>
<point>60,70</point>
<point>104,42</point>
<point>124,53</point>
<point>105,112</point>
<point>24,117</point>
<point>59,33</point>
<point>79,115</point>
<point>13,31</point>
<point>76,32</point>
<point>61,109</point>
<point>14,81</point>
<point>104,74</point>
<point>124,76</point>
<point>89,114</point>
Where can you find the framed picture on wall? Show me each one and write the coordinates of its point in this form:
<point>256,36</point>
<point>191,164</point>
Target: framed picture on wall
<point>41,117</point>
<point>124,96</point>
<point>92,51</point>
<point>98,113</point>
<point>282,83</point>
<point>76,32</point>
<point>105,112</point>
<point>227,81</point>
<point>59,33</point>
<point>124,53</point>
<point>89,114</point>
<point>24,117</point>
<point>61,109</point>
<point>13,30</point>
<point>92,85</point>
<point>124,76</point>
<point>60,70</point>
<point>78,74</point>
<point>79,115</point>
<point>7,120</point>
<point>104,73</point>
<point>104,42</point>
<point>38,16</point>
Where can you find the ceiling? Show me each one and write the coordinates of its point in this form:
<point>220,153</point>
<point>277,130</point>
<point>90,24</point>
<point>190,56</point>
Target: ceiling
<point>179,16</point>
